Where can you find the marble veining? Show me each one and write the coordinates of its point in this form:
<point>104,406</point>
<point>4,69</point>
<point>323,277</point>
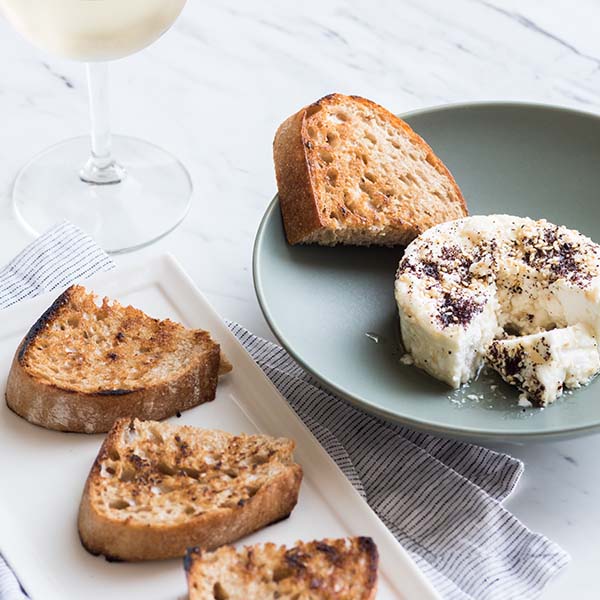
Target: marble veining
<point>213,91</point>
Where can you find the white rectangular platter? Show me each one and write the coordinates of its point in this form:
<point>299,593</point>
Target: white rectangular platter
<point>42,472</point>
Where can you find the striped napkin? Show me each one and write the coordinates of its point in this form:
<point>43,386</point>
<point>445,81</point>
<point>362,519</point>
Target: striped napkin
<point>442,499</point>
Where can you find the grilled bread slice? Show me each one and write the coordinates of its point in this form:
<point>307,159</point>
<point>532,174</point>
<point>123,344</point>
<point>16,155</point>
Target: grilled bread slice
<point>351,172</point>
<point>341,568</point>
<point>82,366</point>
<point>157,489</point>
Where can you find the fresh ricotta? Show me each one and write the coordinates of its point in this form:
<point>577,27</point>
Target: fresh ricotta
<point>543,364</point>
<point>463,284</point>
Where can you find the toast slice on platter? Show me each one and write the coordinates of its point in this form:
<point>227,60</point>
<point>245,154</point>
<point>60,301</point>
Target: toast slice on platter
<point>350,172</point>
<point>331,568</point>
<point>83,365</point>
<point>156,489</point>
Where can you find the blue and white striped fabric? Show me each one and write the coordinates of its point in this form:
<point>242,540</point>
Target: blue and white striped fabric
<point>442,499</point>
<point>60,256</point>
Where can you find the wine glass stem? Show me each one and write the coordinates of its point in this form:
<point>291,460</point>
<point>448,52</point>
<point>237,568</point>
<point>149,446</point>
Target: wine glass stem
<point>101,167</point>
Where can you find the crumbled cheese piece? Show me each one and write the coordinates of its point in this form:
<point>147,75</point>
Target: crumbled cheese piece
<point>543,364</point>
<point>523,401</point>
<point>407,359</point>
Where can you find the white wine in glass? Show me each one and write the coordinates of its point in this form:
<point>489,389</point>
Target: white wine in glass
<point>123,191</point>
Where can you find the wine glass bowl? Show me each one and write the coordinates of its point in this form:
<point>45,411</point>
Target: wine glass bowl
<point>128,193</point>
<point>91,30</point>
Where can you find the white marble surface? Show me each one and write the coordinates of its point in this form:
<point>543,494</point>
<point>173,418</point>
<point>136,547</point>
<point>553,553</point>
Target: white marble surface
<point>213,91</point>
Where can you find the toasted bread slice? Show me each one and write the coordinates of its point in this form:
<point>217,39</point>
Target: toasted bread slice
<point>342,568</point>
<point>82,366</point>
<point>350,172</point>
<point>156,489</point>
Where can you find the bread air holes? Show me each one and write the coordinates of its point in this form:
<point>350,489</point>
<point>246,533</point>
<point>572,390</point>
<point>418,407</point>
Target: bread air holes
<point>281,572</point>
<point>365,187</point>
<point>341,116</point>
<point>332,138</point>
<point>107,471</point>
<point>190,472</point>
<point>127,474</point>
<point>164,488</point>
<point>259,459</point>
<point>430,158</point>
<point>118,504</point>
<point>252,490</point>
<point>370,137</point>
<point>157,437</point>
<point>165,469</point>
<point>326,156</point>
<point>332,177</point>
<point>313,109</point>
<point>219,592</point>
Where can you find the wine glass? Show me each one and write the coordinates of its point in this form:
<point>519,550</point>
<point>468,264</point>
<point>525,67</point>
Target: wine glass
<point>129,192</point>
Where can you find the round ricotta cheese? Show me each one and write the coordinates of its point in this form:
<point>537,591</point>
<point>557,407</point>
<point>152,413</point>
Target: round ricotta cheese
<point>462,284</point>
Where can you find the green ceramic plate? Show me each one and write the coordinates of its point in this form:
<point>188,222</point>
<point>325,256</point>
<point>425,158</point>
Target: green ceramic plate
<point>333,308</point>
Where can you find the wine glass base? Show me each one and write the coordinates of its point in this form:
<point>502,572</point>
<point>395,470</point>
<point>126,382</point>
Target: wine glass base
<point>150,201</point>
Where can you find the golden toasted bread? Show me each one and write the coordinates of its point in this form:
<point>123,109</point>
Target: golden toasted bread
<point>157,489</point>
<point>341,568</point>
<point>82,366</point>
<point>350,172</point>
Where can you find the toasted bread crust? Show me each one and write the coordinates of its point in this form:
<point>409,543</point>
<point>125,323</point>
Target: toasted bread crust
<point>330,568</point>
<point>64,410</point>
<point>54,406</point>
<point>127,540</point>
<point>43,322</point>
<point>297,198</point>
<point>297,182</point>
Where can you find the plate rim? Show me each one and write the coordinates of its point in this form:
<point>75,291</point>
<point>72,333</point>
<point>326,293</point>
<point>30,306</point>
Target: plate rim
<point>487,434</point>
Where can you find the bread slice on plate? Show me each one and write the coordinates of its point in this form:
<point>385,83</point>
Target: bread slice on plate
<point>83,365</point>
<point>156,489</point>
<point>331,568</point>
<point>350,172</point>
